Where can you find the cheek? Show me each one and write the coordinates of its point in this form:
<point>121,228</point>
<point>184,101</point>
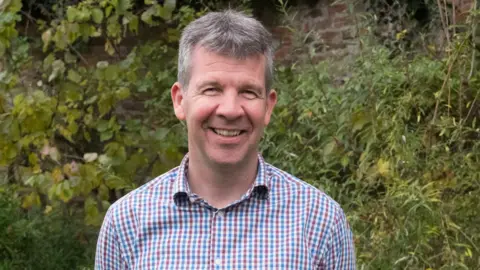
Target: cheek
<point>200,111</point>
<point>256,114</point>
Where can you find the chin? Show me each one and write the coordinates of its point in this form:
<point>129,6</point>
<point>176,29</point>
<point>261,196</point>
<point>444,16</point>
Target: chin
<point>228,158</point>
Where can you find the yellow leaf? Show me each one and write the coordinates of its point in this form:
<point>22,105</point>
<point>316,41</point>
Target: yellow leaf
<point>30,200</point>
<point>36,169</point>
<point>359,119</point>
<point>383,167</point>
<point>48,209</point>
<point>57,175</point>
<point>468,253</point>
<point>401,35</point>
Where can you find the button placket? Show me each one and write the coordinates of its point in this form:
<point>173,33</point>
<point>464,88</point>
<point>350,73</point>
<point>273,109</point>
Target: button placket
<point>218,234</point>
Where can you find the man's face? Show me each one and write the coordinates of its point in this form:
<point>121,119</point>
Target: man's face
<point>226,107</point>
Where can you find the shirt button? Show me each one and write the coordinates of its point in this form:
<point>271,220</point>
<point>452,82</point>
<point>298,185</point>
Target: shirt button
<point>192,199</point>
<point>218,261</point>
<point>221,213</point>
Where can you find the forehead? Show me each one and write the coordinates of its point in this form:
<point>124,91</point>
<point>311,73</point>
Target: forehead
<point>206,65</point>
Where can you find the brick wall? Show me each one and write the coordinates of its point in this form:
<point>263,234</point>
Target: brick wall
<point>328,30</point>
<point>332,29</point>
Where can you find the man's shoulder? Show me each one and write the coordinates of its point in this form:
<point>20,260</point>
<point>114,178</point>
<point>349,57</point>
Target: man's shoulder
<point>286,185</point>
<point>323,215</point>
<point>158,190</point>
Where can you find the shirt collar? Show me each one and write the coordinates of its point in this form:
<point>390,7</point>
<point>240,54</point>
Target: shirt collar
<point>260,188</point>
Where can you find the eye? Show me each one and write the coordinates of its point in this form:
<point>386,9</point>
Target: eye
<point>211,91</point>
<point>249,94</point>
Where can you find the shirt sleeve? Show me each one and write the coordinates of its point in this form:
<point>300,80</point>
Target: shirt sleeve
<point>109,253</point>
<point>340,254</point>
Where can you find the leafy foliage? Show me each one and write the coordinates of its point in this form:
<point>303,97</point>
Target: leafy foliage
<point>67,137</point>
<point>395,141</point>
<point>36,240</point>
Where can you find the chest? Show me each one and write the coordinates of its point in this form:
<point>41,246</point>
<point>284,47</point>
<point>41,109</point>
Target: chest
<point>244,237</point>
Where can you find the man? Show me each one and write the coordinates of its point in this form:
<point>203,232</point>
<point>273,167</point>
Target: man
<point>224,207</point>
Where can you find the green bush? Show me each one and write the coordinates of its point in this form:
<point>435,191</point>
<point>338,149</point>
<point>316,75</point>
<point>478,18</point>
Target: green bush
<point>397,144</point>
<point>34,240</point>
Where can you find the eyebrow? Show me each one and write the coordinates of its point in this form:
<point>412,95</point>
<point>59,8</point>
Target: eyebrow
<point>243,86</point>
<point>208,83</point>
<point>251,86</point>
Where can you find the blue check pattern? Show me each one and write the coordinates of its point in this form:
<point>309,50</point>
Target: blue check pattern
<point>280,223</point>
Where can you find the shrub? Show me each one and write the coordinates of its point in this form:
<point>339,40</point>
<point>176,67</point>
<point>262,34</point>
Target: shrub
<point>35,240</point>
<point>397,144</point>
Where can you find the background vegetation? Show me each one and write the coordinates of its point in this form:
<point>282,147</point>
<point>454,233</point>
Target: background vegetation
<point>393,136</point>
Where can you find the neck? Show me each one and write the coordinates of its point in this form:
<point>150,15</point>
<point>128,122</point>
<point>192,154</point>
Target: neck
<point>218,184</point>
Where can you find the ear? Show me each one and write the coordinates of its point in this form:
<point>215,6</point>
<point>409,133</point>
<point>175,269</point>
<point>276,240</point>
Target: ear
<point>271,101</point>
<point>177,93</point>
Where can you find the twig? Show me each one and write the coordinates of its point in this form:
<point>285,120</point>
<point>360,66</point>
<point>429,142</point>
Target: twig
<point>471,107</point>
<point>454,18</point>
<point>474,35</point>
<point>444,26</point>
<point>79,55</point>
<point>28,16</point>
<point>447,78</point>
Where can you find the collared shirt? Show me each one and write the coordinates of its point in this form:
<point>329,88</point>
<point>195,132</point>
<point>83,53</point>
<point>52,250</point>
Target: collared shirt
<point>280,223</point>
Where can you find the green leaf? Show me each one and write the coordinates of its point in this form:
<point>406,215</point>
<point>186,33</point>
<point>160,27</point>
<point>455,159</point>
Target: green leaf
<point>72,13</point>
<point>74,76</point>
<point>329,147</point>
<point>359,119</point>
<point>102,125</point>
<point>123,6</point>
<point>133,24</point>
<point>11,152</point>
<point>161,133</point>
<point>111,72</point>
<point>105,104</point>
<point>58,68</point>
<point>97,15</point>
<point>169,7</point>
<point>147,15</point>
<point>345,161</point>
<point>66,192</point>
<point>18,100</point>
<point>122,93</point>
<point>92,215</point>
<point>107,135</point>
<point>104,160</point>
<point>108,11</point>
<point>109,48</point>
<point>91,100</point>
<point>103,192</point>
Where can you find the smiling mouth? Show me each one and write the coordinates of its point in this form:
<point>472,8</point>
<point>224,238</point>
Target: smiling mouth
<point>226,132</point>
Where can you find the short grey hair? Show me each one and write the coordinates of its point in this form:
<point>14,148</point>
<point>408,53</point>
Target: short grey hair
<point>229,33</point>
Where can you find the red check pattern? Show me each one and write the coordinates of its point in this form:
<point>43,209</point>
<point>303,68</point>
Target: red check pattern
<point>280,223</point>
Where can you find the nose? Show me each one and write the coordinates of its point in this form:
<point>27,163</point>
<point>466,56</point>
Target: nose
<point>230,106</point>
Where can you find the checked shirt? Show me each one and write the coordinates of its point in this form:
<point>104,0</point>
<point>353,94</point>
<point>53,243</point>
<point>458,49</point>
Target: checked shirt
<point>280,223</point>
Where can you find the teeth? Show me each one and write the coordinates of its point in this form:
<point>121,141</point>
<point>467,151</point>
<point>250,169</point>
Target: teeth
<point>228,133</point>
